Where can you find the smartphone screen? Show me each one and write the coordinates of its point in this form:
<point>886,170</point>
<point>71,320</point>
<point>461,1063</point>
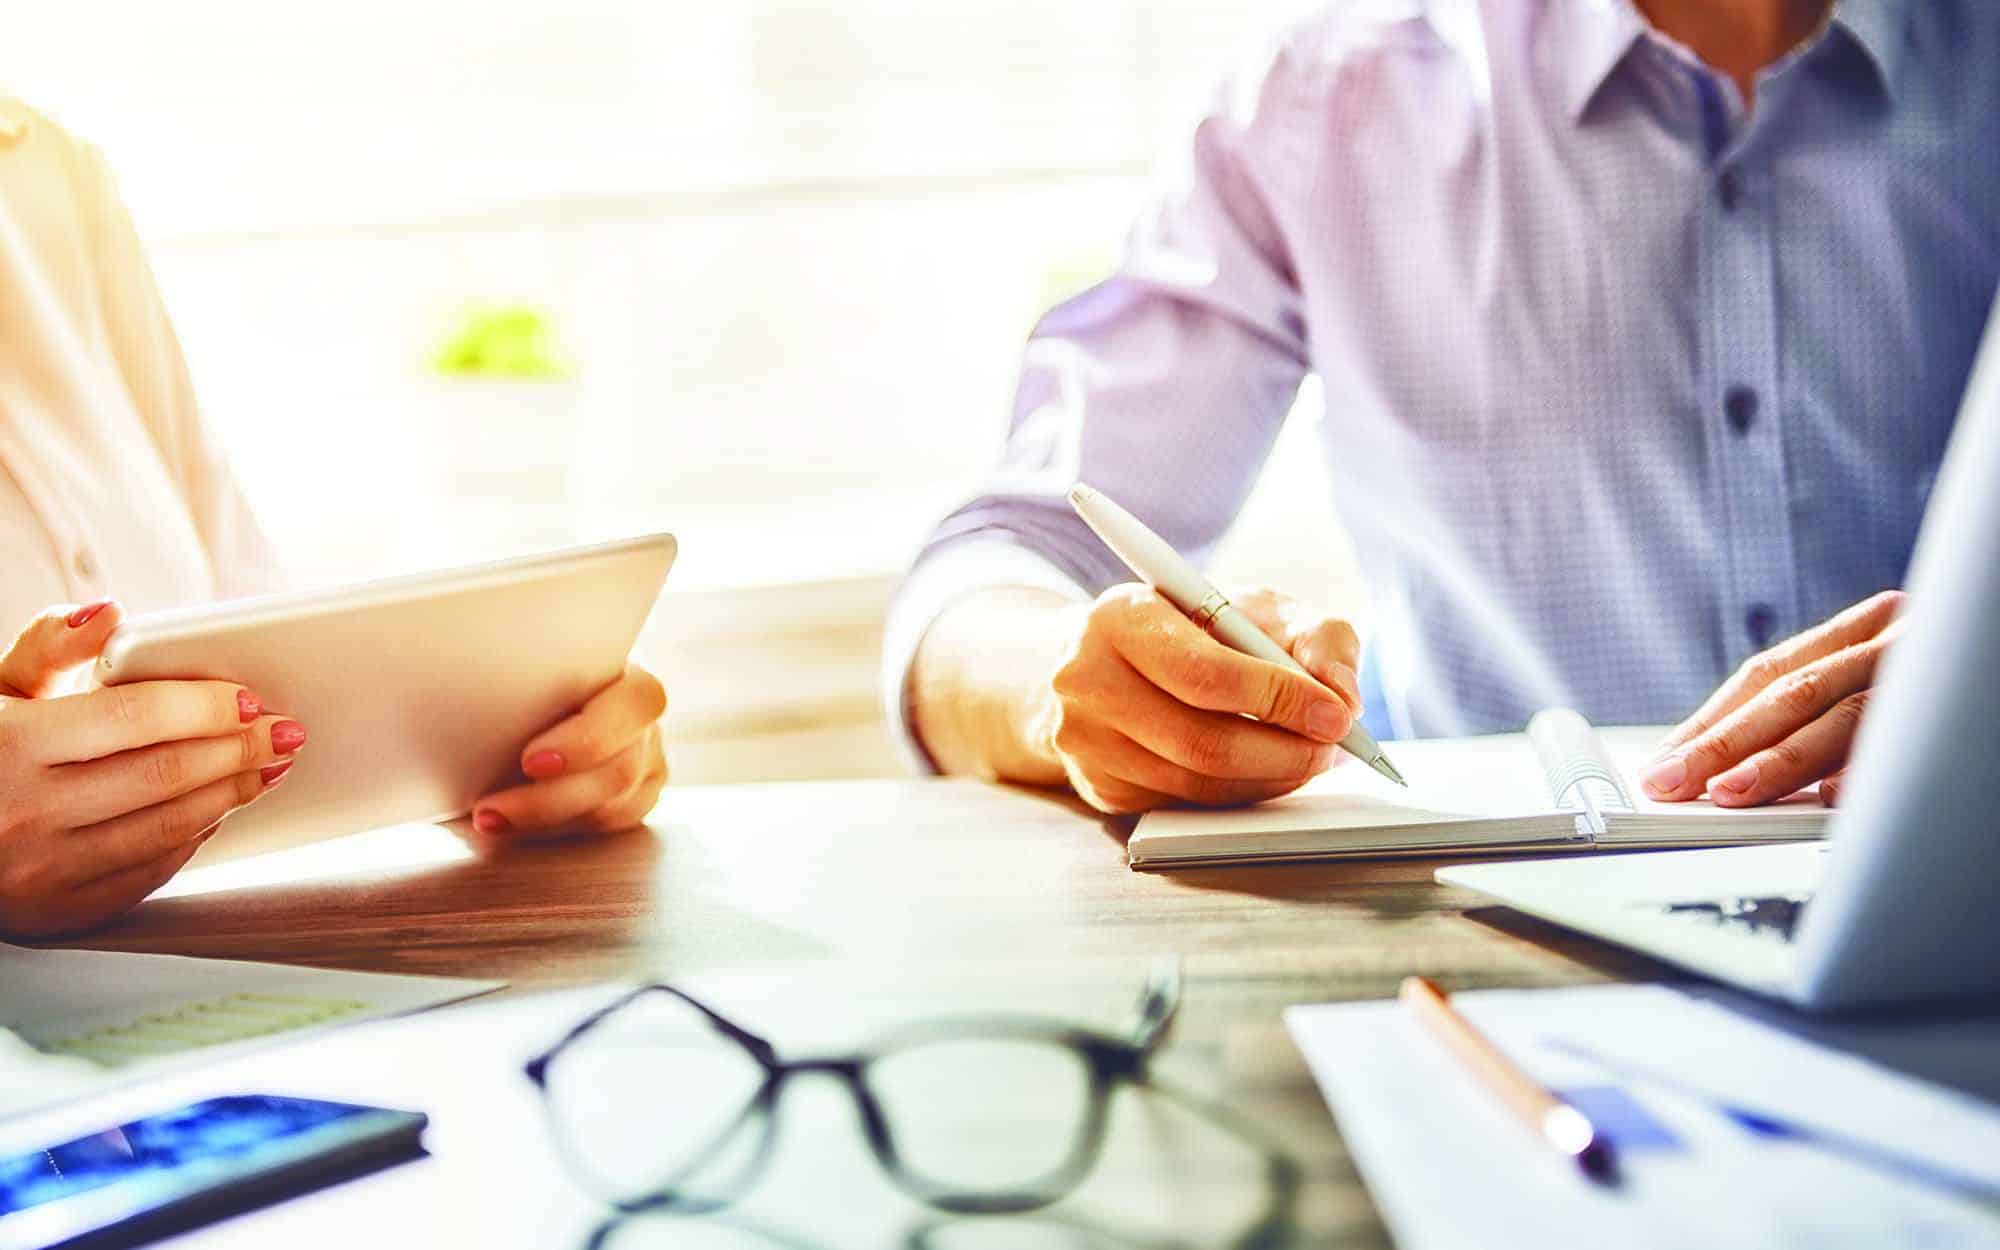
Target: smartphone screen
<point>220,1154</point>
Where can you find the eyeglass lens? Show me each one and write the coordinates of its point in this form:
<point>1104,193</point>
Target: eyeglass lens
<point>655,1098</point>
<point>979,1115</point>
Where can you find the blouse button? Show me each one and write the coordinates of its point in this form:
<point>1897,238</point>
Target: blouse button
<point>85,567</point>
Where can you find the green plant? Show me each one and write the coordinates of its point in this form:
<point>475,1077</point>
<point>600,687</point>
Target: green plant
<point>501,341</point>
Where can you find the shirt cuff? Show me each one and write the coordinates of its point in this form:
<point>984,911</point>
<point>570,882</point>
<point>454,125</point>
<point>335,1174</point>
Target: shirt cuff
<point>940,579</point>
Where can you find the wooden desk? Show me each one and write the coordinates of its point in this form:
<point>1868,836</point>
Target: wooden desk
<point>937,890</point>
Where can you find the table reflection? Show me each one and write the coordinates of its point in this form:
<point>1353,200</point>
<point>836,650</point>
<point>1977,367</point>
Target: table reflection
<point>1073,1225</point>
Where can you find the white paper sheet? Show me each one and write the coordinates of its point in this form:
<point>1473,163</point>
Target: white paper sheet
<point>1450,1167</point>
<point>74,1021</point>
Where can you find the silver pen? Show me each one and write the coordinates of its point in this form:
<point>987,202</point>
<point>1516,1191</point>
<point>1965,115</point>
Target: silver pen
<point>1155,562</point>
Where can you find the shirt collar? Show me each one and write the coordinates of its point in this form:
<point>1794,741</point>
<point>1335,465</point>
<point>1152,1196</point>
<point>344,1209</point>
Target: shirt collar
<point>1881,28</point>
<point>1596,35</point>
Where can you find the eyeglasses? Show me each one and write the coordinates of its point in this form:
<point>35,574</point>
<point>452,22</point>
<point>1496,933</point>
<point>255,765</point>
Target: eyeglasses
<point>658,1101</point>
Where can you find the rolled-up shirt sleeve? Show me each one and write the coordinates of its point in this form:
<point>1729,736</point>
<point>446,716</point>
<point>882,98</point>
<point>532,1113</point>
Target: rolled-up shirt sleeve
<point>1163,386</point>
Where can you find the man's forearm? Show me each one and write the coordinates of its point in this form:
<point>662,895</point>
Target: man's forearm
<point>978,685</point>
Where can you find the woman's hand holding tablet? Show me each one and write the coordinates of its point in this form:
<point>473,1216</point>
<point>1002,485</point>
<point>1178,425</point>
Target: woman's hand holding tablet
<point>504,689</point>
<point>105,794</point>
<point>598,771</point>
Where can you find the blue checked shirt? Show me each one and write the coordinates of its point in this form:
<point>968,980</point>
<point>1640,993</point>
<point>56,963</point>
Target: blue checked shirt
<point>1624,380</point>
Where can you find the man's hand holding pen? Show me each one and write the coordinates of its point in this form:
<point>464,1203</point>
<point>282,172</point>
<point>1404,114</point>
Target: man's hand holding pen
<point>1147,710</point>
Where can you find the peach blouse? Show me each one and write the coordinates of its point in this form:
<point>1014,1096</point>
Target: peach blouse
<point>111,486</point>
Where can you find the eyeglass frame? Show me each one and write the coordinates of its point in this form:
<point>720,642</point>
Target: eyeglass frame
<point>1111,1059</point>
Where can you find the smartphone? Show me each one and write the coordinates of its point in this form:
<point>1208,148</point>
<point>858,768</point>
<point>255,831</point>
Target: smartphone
<point>190,1166</point>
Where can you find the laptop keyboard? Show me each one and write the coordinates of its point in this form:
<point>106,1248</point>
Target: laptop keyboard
<point>1775,915</point>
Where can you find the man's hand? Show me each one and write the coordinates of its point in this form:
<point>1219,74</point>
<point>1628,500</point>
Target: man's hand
<point>104,795</point>
<point>1145,709</point>
<point>1786,719</point>
<point>599,771</point>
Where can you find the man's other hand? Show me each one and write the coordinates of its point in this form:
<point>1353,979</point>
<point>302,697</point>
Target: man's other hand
<point>1786,719</point>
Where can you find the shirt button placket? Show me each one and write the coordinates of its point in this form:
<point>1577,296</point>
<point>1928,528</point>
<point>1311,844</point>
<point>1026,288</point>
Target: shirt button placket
<point>1746,432</point>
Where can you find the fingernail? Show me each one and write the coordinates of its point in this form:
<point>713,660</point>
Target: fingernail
<point>248,706</point>
<point>271,773</point>
<point>1324,721</point>
<point>287,736</point>
<point>82,616</point>
<point>1737,780</point>
<point>1665,776</point>
<point>543,765</point>
<point>486,820</point>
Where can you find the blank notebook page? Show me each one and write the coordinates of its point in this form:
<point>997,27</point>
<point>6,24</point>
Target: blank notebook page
<point>1452,782</point>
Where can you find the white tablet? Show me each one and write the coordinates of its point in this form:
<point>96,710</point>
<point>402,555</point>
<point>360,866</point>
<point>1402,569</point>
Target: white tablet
<point>417,693</point>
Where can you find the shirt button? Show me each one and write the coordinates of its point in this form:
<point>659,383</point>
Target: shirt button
<point>85,567</point>
<point>1762,621</point>
<point>1739,404</point>
<point>1729,188</point>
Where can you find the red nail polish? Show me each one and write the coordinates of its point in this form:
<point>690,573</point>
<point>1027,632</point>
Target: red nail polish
<point>248,706</point>
<point>272,772</point>
<point>487,820</point>
<point>287,736</point>
<point>543,765</point>
<point>82,616</point>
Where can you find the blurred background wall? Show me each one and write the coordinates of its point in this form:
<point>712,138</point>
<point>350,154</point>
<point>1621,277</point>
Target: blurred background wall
<point>459,280</point>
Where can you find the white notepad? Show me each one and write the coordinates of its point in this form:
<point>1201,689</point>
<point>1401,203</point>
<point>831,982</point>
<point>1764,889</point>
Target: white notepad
<point>74,1022</point>
<point>1562,785</point>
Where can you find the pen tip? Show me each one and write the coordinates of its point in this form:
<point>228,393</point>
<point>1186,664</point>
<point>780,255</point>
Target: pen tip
<point>1598,1162</point>
<point>1382,765</point>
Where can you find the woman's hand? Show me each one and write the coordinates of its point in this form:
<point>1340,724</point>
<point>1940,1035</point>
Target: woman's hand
<point>1786,719</point>
<point>104,795</point>
<point>597,772</point>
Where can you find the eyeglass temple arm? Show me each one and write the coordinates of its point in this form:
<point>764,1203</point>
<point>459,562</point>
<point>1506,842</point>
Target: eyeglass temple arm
<point>1275,1224</point>
<point>1158,1003</point>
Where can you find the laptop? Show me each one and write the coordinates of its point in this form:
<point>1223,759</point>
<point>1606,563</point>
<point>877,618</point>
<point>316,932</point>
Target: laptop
<point>1901,903</point>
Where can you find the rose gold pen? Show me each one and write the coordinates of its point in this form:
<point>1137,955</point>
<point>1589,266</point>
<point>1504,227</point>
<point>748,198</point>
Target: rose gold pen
<point>1157,564</point>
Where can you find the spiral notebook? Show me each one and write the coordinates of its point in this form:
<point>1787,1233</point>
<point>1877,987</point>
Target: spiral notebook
<point>1562,785</point>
